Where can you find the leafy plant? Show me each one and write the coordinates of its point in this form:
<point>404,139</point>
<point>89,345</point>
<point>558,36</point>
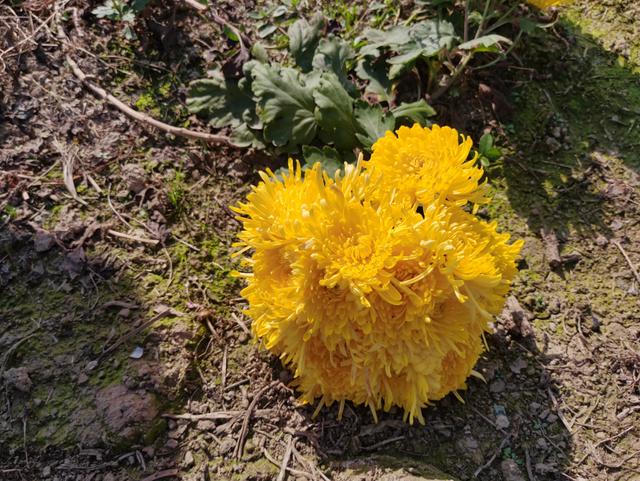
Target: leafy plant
<point>121,11</point>
<point>311,106</point>
<point>487,153</point>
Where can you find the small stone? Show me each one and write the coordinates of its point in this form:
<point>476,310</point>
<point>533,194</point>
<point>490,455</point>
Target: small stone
<point>205,425</point>
<point>601,241</point>
<point>188,460</point>
<point>43,241</point>
<point>226,445</point>
<point>82,378</point>
<point>46,471</point>
<point>497,386</point>
<point>553,144</point>
<point>552,418</point>
<point>148,451</point>
<point>541,443</point>
<point>171,444</point>
<point>518,365</point>
<point>18,378</point>
<point>511,471</point>
<point>502,421</point>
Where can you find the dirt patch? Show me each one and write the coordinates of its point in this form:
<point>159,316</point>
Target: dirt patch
<point>92,390</point>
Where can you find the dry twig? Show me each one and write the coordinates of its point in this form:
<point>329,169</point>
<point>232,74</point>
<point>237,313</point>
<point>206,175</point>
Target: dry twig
<point>626,258</point>
<point>221,415</point>
<point>167,473</point>
<point>285,459</point>
<point>142,117</point>
<point>491,459</point>
<point>242,437</point>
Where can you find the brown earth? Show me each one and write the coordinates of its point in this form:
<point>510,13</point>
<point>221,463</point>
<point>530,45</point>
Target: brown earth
<point>94,391</point>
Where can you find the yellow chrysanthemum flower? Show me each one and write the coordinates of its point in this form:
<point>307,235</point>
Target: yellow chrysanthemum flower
<point>542,4</point>
<point>429,163</point>
<point>364,296</point>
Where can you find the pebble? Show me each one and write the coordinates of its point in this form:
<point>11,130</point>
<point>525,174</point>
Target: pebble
<point>502,421</point>
<point>497,386</point>
<point>188,460</point>
<point>511,471</point>
<point>171,444</point>
<point>226,445</point>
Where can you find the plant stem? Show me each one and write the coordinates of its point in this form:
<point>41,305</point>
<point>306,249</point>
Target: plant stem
<point>454,76</point>
<point>466,21</point>
<point>480,31</point>
<point>502,20</point>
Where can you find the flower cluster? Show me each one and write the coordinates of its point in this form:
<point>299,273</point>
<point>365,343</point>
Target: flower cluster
<point>375,286</point>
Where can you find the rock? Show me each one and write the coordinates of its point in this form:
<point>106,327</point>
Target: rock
<point>471,448</point>
<point>122,408</point>
<point>18,378</point>
<point>553,144</point>
<point>226,446</point>
<point>43,241</point>
<point>171,444</point>
<point>497,386</point>
<point>46,471</point>
<point>518,365</point>
<point>511,471</point>
<point>516,319</point>
<point>502,421</point>
<point>82,378</point>
<point>601,241</point>
<point>135,177</point>
<point>205,425</point>
<point>74,262</point>
<point>188,460</point>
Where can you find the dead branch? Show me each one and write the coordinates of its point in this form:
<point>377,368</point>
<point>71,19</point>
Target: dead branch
<point>242,437</point>
<point>142,117</point>
<point>626,258</point>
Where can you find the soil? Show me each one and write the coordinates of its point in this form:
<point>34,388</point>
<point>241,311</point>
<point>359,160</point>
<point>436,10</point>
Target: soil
<point>124,353</point>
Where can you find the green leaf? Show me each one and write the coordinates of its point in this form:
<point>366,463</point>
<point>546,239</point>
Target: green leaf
<point>484,41</point>
<point>259,52</point>
<point>433,36</point>
<point>303,40</point>
<point>378,80</point>
<point>285,105</point>
<point>421,40</point>
<point>139,5</point>
<point>485,144</point>
<point>243,136</point>
<point>328,157</point>
<point>372,123</point>
<point>334,112</point>
<point>265,30</point>
<point>221,101</point>
<point>408,57</point>
<point>416,111</point>
<point>230,34</point>
<point>379,39</point>
<point>527,25</point>
<point>332,55</point>
<point>494,153</point>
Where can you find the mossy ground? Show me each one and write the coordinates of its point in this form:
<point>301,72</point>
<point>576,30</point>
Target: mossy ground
<point>570,163</point>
